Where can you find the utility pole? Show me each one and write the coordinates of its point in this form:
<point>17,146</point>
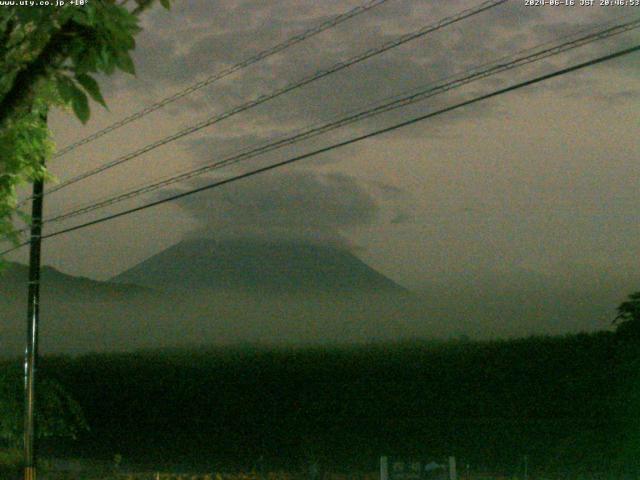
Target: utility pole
<point>33,317</point>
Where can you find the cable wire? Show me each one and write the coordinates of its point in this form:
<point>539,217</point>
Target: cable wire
<point>279,92</point>
<point>332,22</point>
<point>416,95</point>
<point>351,141</point>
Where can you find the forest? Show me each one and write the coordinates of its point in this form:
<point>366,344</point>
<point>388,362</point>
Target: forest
<point>570,403</point>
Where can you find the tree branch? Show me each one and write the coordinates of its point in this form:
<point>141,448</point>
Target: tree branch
<point>24,84</point>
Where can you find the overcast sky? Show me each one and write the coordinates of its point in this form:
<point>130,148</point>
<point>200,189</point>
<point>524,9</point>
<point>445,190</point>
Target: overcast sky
<point>542,179</point>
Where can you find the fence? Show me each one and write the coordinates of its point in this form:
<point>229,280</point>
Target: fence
<point>242,476</point>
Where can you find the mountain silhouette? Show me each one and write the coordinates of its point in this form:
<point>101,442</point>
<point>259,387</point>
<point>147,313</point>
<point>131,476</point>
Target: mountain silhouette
<point>257,265</point>
<point>76,314</point>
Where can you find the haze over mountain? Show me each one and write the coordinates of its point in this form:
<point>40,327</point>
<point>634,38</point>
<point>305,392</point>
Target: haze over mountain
<point>291,292</point>
<point>201,291</point>
<point>77,314</point>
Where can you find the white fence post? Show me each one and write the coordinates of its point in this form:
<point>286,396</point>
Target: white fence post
<point>452,469</point>
<point>384,468</point>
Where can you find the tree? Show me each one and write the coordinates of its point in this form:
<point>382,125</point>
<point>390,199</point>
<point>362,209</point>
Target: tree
<point>49,57</point>
<point>628,319</point>
<point>57,413</point>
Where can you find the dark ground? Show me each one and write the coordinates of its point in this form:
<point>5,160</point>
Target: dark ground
<point>570,403</point>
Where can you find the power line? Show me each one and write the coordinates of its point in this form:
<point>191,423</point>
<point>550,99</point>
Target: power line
<point>397,102</point>
<point>351,141</point>
<point>286,89</point>
<point>332,22</point>
<point>215,77</point>
<point>416,95</point>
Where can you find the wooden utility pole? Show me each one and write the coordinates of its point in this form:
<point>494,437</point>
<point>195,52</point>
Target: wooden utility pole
<point>33,317</point>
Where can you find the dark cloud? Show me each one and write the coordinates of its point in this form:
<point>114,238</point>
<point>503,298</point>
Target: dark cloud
<point>290,204</point>
<point>200,38</point>
<point>171,52</point>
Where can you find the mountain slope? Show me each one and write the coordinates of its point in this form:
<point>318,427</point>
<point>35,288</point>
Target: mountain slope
<point>252,265</point>
<point>13,281</point>
<point>80,315</point>
<point>77,314</point>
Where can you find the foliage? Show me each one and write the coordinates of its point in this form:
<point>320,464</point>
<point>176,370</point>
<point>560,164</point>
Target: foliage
<point>57,413</point>
<point>10,462</point>
<point>628,319</point>
<point>10,457</point>
<point>564,401</point>
<point>49,57</point>
<point>22,144</point>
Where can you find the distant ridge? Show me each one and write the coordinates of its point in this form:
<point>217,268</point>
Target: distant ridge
<point>13,280</point>
<point>258,265</point>
<point>77,314</point>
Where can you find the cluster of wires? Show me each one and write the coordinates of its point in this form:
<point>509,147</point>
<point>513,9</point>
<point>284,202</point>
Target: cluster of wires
<point>458,80</point>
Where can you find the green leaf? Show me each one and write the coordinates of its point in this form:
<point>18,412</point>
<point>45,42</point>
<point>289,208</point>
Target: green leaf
<point>91,13</point>
<point>26,15</point>
<point>166,4</point>
<point>65,88</point>
<point>125,63</point>
<point>80,17</point>
<point>106,60</point>
<point>86,61</point>
<point>91,87</point>
<point>80,105</point>
<point>70,93</point>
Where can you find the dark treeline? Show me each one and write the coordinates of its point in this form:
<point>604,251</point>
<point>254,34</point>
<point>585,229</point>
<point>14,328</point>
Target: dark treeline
<point>570,403</point>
